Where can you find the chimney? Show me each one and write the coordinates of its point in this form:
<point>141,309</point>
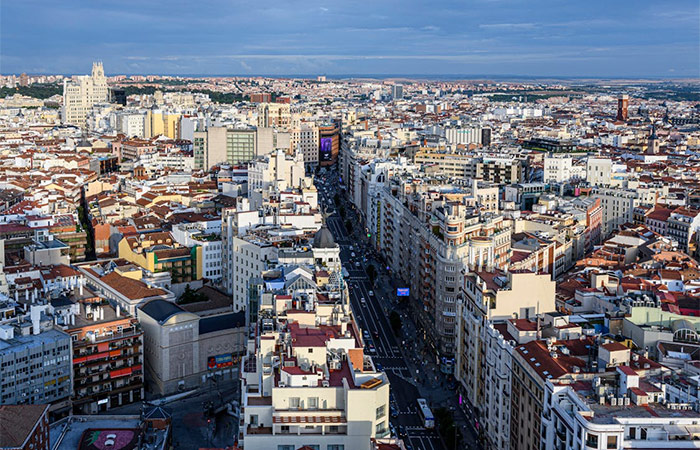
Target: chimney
<point>118,310</point>
<point>102,314</point>
<point>81,289</point>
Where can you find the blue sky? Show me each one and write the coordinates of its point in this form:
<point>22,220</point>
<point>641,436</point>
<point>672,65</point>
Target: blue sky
<point>286,37</point>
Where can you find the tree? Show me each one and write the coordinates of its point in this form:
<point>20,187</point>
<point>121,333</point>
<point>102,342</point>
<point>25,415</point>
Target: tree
<point>348,226</point>
<point>371,273</point>
<point>447,428</point>
<point>341,211</point>
<point>191,296</point>
<point>395,322</point>
<point>336,199</point>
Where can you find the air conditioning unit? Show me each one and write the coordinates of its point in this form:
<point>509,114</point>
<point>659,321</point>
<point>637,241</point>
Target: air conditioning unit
<point>282,384</point>
<point>325,383</point>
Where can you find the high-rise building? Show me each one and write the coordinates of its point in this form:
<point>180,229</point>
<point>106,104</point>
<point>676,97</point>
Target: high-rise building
<point>80,93</point>
<point>397,92</point>
<point>306,139</point>
<point>622,104</point>
<point>219,145</point>
<point>35,364</point>
<point>23,80</point>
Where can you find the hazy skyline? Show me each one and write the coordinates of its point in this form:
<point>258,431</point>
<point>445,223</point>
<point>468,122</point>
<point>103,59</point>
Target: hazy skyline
<point>594,38</point>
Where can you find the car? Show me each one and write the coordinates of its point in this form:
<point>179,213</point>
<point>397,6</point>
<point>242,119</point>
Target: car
<point>379,367</point>
<point>352,254</point>
<point>370,347</point>
<point>357,263</point>
<point>371,293</point>
<point>402,432</point>
<point>365,334</point>
<point>375,333</point>
<point>363,301</point>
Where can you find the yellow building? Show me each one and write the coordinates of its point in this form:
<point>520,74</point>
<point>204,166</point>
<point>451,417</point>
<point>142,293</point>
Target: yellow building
<point>159,252</point>
<point>162,123</point>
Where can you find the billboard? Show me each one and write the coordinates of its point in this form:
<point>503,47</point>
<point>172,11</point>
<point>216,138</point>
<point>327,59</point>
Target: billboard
<point>403,292</point>
<point>221,361</point>
<point>326,153</point>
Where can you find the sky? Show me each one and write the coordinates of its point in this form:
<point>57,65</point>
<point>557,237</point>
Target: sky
<point>563,38</point>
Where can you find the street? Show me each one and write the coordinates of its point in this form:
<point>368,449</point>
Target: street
<point>407,362</point>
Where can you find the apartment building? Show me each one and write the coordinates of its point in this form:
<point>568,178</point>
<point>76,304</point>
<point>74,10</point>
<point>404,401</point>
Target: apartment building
<point>107,348</point>
<point>489,302</point>
<point>204,235</point>
<point>562,170</point>
<point>619,204</point>
<point>160,252</point>
<point>429,249</point>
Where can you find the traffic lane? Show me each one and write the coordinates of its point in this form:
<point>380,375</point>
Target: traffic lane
<point>380,320</point>
<point>384,346</point>
<point>370,325</point>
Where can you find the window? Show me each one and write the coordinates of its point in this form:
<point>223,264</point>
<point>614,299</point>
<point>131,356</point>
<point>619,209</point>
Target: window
<point>335,447</point>
<point>592,441</point>
<point>612,442</point>
<point>381,411</point>
<point>285,447</point>
<point>313,402</point>
<point>380,428</point>
<point>254,419</point>
<point>294,402</point>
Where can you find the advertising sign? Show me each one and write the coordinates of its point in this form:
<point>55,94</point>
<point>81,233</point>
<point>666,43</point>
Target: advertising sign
<point>326,153</point>
<point>403,292</point>
<point>220,361</point>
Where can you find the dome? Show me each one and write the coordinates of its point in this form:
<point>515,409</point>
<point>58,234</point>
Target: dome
<point>324,238</point>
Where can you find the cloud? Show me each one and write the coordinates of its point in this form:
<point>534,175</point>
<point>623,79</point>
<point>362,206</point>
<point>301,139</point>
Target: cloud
<point>508,26</point>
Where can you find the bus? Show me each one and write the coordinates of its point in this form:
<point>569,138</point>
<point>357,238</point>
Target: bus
<point>426,414</point>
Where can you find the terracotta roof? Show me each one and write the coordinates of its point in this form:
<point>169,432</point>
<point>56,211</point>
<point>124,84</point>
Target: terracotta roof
<point>132,289</point>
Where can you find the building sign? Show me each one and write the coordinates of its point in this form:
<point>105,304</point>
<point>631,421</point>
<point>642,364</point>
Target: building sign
<point>403,292</point>
<point>221,361</point>
<point>326,153</point>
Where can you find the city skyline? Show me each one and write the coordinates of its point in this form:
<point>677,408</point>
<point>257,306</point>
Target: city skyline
<point>493,38</point>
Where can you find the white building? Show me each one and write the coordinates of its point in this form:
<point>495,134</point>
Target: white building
<point>615,416</point>
<point>605,172</point>
<point>207,235</point>
<point>250,256</point>
<point>80,93</point>
<point>278,170</point>
<point>562,170</point>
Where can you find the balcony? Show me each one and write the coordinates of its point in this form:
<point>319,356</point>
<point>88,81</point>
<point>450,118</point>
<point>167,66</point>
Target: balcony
<point>258,430</point>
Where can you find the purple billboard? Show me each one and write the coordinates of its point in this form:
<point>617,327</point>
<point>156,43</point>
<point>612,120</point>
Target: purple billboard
<point>326,153</point>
